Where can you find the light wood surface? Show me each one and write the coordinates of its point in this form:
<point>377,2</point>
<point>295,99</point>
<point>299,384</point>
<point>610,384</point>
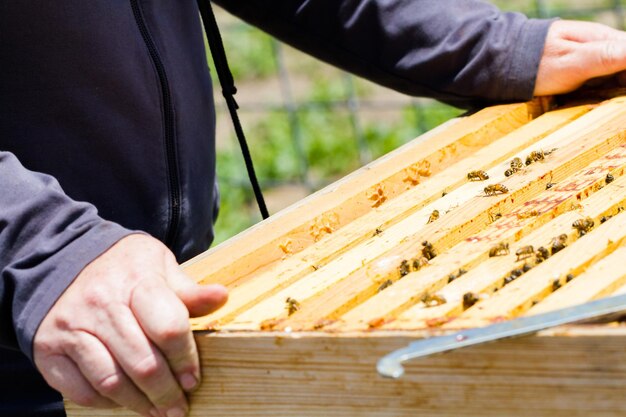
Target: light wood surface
<point>562,375</point>
<point>338,257</point>
<point>363,268</point>
<point>308,221</point>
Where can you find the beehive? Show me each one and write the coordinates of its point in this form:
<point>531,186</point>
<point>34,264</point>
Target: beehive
<point>323,289</point>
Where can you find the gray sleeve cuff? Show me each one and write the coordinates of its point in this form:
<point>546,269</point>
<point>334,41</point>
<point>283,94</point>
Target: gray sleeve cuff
<point>518,81</point>
<point>70,261</point>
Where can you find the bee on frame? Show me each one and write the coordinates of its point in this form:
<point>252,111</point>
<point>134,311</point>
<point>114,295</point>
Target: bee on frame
<point>477,176</point>
<point>583,225</point>
<point>494,189</point>
<point>500,249</point>
<point>524,252</point>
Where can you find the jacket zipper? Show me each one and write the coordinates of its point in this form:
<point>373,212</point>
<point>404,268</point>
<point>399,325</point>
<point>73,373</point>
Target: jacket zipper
<point>168,125</point>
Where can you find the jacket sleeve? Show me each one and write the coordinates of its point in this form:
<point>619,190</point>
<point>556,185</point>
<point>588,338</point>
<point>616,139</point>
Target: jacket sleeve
<point>46,239</point>
<point>463,52</point>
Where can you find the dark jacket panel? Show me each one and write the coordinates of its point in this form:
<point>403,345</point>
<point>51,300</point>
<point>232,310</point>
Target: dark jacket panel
<point>107,123</point>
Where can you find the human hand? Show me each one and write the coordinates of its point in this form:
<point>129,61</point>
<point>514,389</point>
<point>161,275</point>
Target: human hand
<point>576,52</point>
<point>120,334</point>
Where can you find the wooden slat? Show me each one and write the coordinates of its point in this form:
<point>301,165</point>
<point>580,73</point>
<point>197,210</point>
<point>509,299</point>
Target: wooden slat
<point>256,375</point>
<point>316,256</point>
<point>301,225</point>
<point>600,280</point>
<point>489,274</point>
<point>521,294</point>
<point>404,293</point>
<point>406,236</point>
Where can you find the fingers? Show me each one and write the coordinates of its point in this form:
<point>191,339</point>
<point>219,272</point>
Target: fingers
<point>62,374</point>
<point>120,333</point>
<point>104,374</point>
<point>166,323</point>
<point>143,363</point>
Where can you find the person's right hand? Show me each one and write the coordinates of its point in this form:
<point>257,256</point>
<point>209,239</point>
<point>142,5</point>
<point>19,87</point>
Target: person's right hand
<point>576,52</point>
<point>120,334</point>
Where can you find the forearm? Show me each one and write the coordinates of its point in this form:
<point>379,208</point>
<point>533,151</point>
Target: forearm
<point>461,52</point>
<point>46,239</point>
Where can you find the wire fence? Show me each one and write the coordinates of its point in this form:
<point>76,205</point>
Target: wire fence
<point>309,124</point>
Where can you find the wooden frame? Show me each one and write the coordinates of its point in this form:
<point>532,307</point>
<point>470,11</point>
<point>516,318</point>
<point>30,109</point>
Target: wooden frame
<point>322,290</point>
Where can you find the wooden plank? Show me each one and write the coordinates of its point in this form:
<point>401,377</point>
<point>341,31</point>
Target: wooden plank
<point>406,236</point>
<point>256,375</point>
<point>470,253</point>
<point>490,273</point>
<point>600,280</point>
<point>301,225</point>
<point>365,278</point>
<point>536,284</point>
<point>316,256</point>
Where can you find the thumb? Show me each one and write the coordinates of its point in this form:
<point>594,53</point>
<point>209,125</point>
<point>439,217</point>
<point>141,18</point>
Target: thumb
<point>200,300</point>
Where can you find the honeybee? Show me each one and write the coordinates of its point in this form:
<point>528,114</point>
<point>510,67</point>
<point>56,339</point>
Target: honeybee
<point>377,231</point>
<point>323,323</point>
<point>269,324</point>
<point>550,185</point>
<point>513,275</point>
<point>420,262</point>
<point>556,284</point>
<point>535,156</point>
<point>526,215</point>
<point>428,251</point>
<point>292,305</point>
<point>433,300</point>
<point>494,216</point>
<point>477,176</point>
<point>558,243</point>
<point>609,178</point>
<point>541,255</point>
<point>452,277</point>
<point>384,285</point>
<point>493,189</point>
<point>516,165</point>
<point>526,267</point>
<point>469,299</point>
<point>524,252</point>
<point>405,268</point>
<point>500,249</point>
<point>583,225</point>
<point>433,216</point>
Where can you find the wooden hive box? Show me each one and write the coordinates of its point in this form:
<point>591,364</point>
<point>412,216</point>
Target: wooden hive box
<point>323,289</point>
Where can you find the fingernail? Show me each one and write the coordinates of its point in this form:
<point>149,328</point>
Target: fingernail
<point>155,413</point>
<point>188,382</point>
<point>175,412</point>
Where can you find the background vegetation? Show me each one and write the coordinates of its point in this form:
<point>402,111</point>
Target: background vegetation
<point>309,124</point>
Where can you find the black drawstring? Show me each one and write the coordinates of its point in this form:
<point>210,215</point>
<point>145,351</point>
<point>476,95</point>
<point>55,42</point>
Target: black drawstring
<point>228,91</point>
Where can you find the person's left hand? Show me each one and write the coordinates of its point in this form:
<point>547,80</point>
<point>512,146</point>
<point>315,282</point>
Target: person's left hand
<point>576,52</point>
